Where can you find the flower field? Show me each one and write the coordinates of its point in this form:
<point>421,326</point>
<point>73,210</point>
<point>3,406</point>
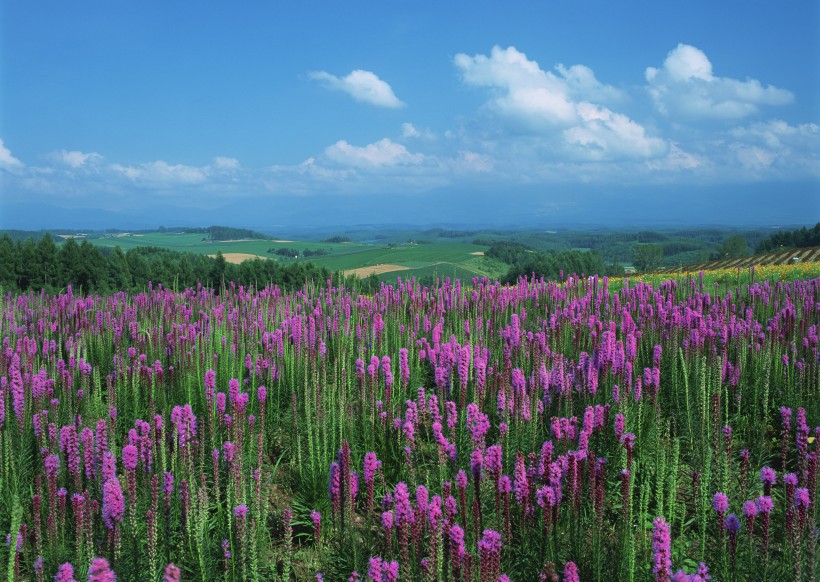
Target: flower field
<point>655,429</point>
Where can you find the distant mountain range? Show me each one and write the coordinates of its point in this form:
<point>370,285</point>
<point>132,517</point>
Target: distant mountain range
<point>536,208</point>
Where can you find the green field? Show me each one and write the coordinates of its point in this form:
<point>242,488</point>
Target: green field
<point>439,259</point>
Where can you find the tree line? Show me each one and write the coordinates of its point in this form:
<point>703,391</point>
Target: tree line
<point>28,265</point>
<point>524,262</point>
<point>789,239</point>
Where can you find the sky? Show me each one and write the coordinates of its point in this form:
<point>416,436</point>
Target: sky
<point>277,114</point>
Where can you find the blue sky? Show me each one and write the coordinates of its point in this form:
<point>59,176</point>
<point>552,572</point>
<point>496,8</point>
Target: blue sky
<point>150,113</point>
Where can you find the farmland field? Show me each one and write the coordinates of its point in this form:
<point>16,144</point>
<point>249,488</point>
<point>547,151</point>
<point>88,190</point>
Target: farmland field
<point>620,430</point>
<point>450,259</point>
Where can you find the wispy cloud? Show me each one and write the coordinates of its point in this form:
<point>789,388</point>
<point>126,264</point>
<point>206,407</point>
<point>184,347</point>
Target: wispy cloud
<point>363,86</point>
<point>686,86</point>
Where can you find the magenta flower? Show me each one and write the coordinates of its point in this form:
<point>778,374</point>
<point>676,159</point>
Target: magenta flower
<point>374,571</point>
<point>100,571</point>
<point>65,573</point>
<point>172,574</point>
<point>489,551</point>
<point>662,549</point>
<point>749,512</point>
<point>113,507</point>
<point>720,502</point>
<point>571,572</point>
<point>130,457</point>
<point>801,497</point>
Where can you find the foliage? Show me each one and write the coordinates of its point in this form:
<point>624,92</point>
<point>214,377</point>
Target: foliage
<point>611,429</point>
<point>28,265</point>
<point>647,257</point>
<point>802,237</point>
<point>733,247</point>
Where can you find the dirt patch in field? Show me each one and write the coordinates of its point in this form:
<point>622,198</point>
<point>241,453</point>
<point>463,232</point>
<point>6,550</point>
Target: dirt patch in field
<point>375,270</point>
<point>478,253</point>
<point>237,258</point>
<point>282,241</point>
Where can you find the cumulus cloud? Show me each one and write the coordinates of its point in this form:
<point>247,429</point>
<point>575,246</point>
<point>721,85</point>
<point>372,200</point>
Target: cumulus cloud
<point>383,153</point>
<point>603,133</point>
<point>565,102</point>
<point>685,85</point>
<point>8,161</point>
<point>523,89</point>
<point>363,86</point>
<point>777,146</point>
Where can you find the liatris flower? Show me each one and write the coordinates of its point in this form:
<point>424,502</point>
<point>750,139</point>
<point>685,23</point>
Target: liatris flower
<point>489,551</point>
<point>732,526</point>
<point>629,443</point>
<point>335,487</point>
<point>387,523</point>
<point>571,572</point>
<point>100,571</point>
<point>403,508</point>
<point>720,503</point>
<point>130,459</point>
<point>374,571</point>
<point>241,514</point>
<point>493,462</point>
<point>545,498</point>
<point>749,512</point>
<point>662,550</point>
<point>769,477</point>
<point>727,438</point>
<point>109,466</point>
<point>702,575</point>
<point>620,423</point>
<point>476,464</point>
<point>521,485</point>
<point>65,573</point>
<point>744,467</point>
<point>765,506</point>
<point>457,549</point>
<point>113,506</point>
<point>316,518</point>
<point>390,571</point>
<point>172,574</point>
<point>371,467</point>
<point>801,503</point>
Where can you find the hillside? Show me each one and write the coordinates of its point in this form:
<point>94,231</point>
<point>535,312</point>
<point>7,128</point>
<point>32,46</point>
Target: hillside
<point>778,258</point>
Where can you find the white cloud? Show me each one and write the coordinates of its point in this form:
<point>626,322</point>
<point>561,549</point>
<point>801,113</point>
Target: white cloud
<point>225,163</point>
<point>76,159</point>
<point>604,134</point>
<point>685,85</point>
<point>582,84</point>
<point>524,90</point>
<point>162,173</point>
<point>777,146</point>
<point>544,102</point>
<point>383,153</point>
<point>8,161</point>
<point>363,86</point>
